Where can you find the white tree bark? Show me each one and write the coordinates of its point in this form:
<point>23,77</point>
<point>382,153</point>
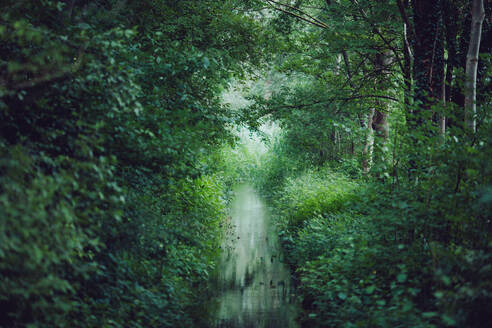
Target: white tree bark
<point>369,144</point>
<point>478,15</point>
<point>442,117</point>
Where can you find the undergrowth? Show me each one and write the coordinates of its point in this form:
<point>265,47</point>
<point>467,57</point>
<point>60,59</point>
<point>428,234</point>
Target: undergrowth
<point>367,253</point>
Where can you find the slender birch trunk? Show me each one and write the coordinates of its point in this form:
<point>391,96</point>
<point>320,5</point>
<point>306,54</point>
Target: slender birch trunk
<point>478,15</point>
<point>369,144</point>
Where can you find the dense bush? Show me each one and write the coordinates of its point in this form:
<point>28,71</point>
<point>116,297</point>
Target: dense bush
<point>385,252</point>
<point>107,111</point>
<point>50,230</point>
<point>368,255</point>
<point>158,258</point>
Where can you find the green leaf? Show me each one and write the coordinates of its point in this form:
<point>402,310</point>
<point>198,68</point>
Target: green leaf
<point>402,277</point>
<point>206,62</point>
<point>439,294</point>
<point>429,314</point>
<point>448,320</point>
<point>83,26</point>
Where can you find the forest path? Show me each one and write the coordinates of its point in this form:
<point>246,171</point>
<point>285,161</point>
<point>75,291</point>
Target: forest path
<point>255,286</point>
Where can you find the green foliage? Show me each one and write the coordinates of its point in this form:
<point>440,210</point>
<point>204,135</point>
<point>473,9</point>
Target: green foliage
<point>391,251</point>
<point>316,128</point>
<point>378,256</point>
<point>409,242</point>
<point>50,232</point>
<point>107,112</point>
<point>277,165</point>
<point>314,194</point>
<point>116,162</point>
<point>234,164</point>
<point>159,257</point>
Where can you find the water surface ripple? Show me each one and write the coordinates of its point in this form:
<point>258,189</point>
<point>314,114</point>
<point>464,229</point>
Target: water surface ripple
<point>255,286</point>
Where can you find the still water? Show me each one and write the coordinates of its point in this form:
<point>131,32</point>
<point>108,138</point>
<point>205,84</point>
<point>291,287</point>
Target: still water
<point>255,287</point>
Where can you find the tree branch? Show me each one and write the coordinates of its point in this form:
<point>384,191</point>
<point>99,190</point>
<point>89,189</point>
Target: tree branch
<point>297,16</point>
<point>347,66</point>
<point>339,98</point>
<point>404,16</point>
<point>48,77</point>
<point>376,30</point>
<point>300,11</point>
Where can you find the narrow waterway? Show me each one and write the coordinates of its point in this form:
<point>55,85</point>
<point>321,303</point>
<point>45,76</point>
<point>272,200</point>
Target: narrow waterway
<point>255,286</point>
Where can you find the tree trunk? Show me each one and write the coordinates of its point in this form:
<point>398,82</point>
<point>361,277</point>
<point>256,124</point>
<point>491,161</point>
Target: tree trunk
<point>408,38</point>
<point>428,56</point>
<point>478,15</point>
<point>380,117</point>
<point>338,64</point>
<point>369,144</point>
<point>380,121</point>
<point>442,117</point>
<point>464,30</point>
<point>377,120</point>
<point>451,18</point>
<point>380,125</point>
<point>407,74</point>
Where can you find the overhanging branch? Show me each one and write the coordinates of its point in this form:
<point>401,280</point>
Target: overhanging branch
<point>301,12</point>
<point>330,100</point>
<point>312,22</point>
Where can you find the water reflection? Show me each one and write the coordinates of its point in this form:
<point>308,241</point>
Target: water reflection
<point>255,286</point>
